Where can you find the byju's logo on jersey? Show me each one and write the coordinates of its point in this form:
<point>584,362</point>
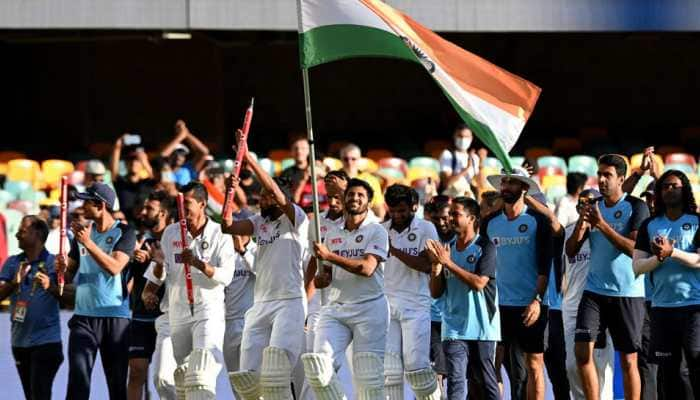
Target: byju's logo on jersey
<point>618,214</point>
<point>359,238</point>
<point>411,237</point>
<point>471,259</point>
<point>522,228</point>
<point>686,226</point>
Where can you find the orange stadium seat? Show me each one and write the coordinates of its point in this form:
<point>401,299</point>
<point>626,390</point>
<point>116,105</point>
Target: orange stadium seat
<point>549,171</point>
<point>566,146</point>
<point>378,154</point>
<point>681,158</point>
<point>11,155</point>
<point>53,170</point>
<point>278,154</point>
<point>534,153</point>
<point>393,162</point>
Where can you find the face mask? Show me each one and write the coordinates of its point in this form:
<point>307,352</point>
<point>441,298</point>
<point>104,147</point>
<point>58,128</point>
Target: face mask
<point>463,143</point>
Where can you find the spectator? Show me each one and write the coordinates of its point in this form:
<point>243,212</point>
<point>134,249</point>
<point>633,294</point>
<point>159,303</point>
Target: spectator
<point>99,254</point>
<point>30,279</point>
<point>133,187</point>
<point>460,162</point>
<point>54,224</point>
<point>299,148</point>
<point>350,156</point>
<point>303,191</point>
<point>176,153</point>
<point>94,172</point>
<point>566,208</point>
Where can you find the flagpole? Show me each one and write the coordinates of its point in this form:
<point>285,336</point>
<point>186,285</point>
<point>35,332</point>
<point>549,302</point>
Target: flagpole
<point>312,148</point>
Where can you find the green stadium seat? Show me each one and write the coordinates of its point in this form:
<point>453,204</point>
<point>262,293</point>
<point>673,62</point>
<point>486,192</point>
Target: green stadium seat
<point>5,197</point>
<point>492,162</point>
<point>683,167</point>
<point>552,161</point>
<point>17,187</point>
<point>555,193</point>
<point>583,164</point>
<point>425,162</point>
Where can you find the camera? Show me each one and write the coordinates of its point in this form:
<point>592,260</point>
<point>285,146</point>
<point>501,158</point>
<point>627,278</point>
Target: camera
<point>132,139</point>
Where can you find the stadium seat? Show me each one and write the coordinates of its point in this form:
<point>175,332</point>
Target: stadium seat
<point>492,162</point>
<point>391,174</point>
<point>417,173</point>
<point>267,165</point>
<point>378,154</point>
<point>566,146</point>
<point>6,156</point>
<point>534,153</point>
<point>555,193</point>
<point>583,164</point>
<point>516,161</point>
<point>3,168</point>
<point>286,163</point>
<point>333,163</point>
<point>435,147</point>
<point>33,196</point>
<point>278,154</point>
<point>5,197</point>
<point>549,181</point>
<point>636,161</point>
<point>549,171</point>
<point>669,149</point>
<point>368,165</point>
<point>552,161</point>
<point>685,168</point>
<point>425,162</point>
<point>393,162</point>
<point>681,158</point>
<point>693,178</point>
<point>23,170</point>
<point>53,170</point>
<point>226,164</point>
<point>17,187</point>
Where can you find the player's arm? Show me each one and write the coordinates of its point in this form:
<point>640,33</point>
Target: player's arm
<point>643,258</point>
<point>8,278</point>
<point>419,263</point>
<point>115,262</point>
<point>437,281</point>
<point>579,235</point>
<point>269,184</point>
<point>364,266</point>
<point>554,223</point>
<point>689,259</point>
<point>155,277</point>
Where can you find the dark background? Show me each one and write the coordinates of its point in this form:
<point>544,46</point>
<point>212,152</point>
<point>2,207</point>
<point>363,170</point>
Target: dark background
<point>65,92</point>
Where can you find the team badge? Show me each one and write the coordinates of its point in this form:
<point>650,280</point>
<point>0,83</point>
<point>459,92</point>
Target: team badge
<point>205,245</point>
<point>411,236</point>
<point>110,240</point>
<point>522,228</point>
<point>359,238</point>
<point>686,226</point>
<point>471,259</point>
<point>618,214</point>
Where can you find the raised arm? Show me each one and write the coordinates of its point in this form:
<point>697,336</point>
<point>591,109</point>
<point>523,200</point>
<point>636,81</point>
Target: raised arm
<point>554,223</point>
<point>198,147</point>
<point>269,184</point>
<point>180,135</point>
<point>116,157</point>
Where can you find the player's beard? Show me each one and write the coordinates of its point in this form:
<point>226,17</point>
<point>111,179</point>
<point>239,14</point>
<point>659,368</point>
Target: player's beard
<point>149,223</point>
<point>510,197</point>
<point>268,212</point>
<point>357,211</point>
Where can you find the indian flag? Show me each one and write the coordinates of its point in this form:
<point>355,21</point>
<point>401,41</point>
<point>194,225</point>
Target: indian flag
<point>492,101</point>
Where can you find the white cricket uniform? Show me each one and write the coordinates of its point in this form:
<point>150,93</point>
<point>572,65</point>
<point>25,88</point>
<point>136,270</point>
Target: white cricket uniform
<point>575,275</point>
<point>357,310</point>
<point>279,309</point>
<point>204,330</point>
<point>239,299</point>
<point>409,296</point>
<point>164,363</point>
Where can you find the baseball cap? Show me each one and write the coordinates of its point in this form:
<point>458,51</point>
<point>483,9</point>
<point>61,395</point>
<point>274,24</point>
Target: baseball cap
<point>95,167</point>
<point>99,192</point>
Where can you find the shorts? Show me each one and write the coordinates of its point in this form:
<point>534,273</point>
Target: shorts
<point>437,350</point>
<point>673,330</point>
<point>623,317</point>
<point>142,339</point>
<point>530,339</point>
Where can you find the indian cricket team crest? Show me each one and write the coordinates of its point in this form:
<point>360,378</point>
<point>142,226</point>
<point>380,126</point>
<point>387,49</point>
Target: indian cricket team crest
<point>411,237</point>
<point>471,259</point>
<point>522,228</point>
<point>205,245</point>
<point>686,226</point>
<point>618,214</point>
<point>110,239</point>
<point>359,238</point>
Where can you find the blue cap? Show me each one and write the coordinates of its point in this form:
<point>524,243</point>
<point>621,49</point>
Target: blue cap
<point>243,214</point>
<point>99,192</point>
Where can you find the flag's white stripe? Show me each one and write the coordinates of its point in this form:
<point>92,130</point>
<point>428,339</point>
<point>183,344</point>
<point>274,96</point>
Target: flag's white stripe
<point>316,13</point>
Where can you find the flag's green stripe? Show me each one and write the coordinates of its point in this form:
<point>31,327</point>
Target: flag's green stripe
<point>336,42</point>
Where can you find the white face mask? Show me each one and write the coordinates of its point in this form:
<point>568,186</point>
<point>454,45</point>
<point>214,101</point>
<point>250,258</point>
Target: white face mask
<point>462,143</point>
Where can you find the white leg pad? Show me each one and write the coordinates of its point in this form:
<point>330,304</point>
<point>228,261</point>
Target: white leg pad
<point>246,383</point>
<point>165,389</point>
<point>393,376</point>
<point>200,379</point>
<point>276,374</point>
<point>179,376</point>
<point>369,375</point>
<point>424,384</point>
<point>321,377</point>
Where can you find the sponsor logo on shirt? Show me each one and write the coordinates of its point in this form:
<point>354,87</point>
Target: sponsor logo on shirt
<point>579,258</point>
<point>336,241</point>
<point>522,228</point>
<point>411,251</point>
<point>359,238</point>
<point>511,241</point>
<point>240,273</point>
<point>350,253</point>
<point>265,242</point>
<point>177,244</point>
<point>411,237</point>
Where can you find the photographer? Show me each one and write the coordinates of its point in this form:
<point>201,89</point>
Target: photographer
<point>133,187</point>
